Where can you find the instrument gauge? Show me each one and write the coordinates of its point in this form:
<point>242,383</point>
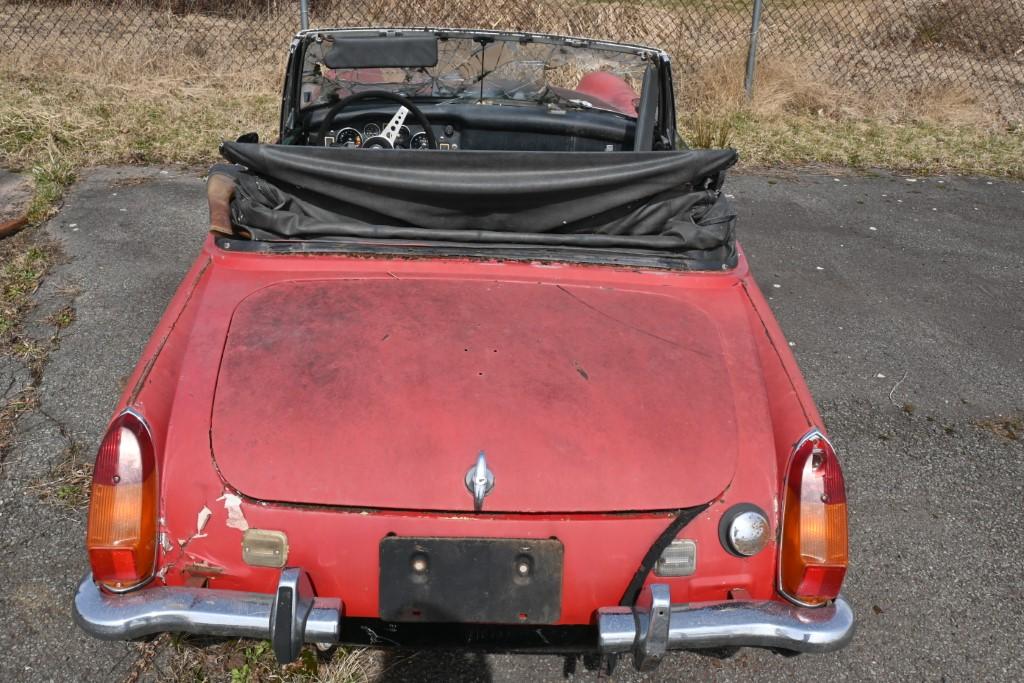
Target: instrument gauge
<point>419,141</point>
<point>346,137</point>
<point>371,130</point>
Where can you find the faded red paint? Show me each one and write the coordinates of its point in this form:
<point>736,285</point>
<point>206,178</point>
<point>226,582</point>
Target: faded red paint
<point>177,387</point>
<point>373,391</point>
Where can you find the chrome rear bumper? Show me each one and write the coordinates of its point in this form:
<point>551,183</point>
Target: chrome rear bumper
<point>654,626</point>
<point>293,615</point>
<point>288,618</point>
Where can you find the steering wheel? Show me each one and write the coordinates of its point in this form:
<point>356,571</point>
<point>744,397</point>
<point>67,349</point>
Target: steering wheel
<point>386,139</point>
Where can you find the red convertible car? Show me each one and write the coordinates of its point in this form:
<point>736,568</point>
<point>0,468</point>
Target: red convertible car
<point>470,357</point>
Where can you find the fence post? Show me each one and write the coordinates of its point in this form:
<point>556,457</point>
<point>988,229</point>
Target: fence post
<point>755,28</point>
<point>304,14</point>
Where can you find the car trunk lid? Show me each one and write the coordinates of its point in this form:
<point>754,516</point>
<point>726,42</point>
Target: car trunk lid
<point>380,392</point>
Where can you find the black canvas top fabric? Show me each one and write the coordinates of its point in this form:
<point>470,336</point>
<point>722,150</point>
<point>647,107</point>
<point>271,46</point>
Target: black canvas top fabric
<point>623,200</point>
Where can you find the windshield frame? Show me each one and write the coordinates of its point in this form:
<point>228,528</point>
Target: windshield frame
<point>292,111</point>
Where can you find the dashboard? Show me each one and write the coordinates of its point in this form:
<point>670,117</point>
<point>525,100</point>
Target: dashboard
<point>461,126</point>
<point>410,136</point>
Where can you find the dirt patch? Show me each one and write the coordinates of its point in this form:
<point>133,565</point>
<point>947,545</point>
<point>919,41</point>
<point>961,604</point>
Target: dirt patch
<point>1007,426</point>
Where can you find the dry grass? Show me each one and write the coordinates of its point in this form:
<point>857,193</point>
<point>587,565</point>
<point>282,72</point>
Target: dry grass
<point>796,117</point>
<point>789,87</point>
<point>57,116</point>
<point>161,98</point>
<point>93,111</point>
<point>250,661</point>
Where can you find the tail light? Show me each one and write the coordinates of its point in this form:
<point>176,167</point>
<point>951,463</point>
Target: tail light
<point>814,554</point>
<point>121,539</point>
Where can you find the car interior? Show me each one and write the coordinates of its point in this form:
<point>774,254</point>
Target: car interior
<point>452,91</point>
<point>443,142</point>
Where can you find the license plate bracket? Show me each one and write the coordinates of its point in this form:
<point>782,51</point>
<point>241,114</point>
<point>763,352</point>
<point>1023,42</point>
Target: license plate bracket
<point>471,580</point>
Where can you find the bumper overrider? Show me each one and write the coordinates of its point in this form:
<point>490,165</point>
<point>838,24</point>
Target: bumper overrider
<point>293,615</point>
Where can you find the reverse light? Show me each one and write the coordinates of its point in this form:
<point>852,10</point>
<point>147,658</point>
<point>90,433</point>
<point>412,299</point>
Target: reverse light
<point>814,550</point>
<point>121,539</point>
<point>678,559</point>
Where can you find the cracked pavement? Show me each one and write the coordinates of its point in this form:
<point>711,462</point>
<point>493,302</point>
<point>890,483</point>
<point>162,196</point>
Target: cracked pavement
<point>904,299</point>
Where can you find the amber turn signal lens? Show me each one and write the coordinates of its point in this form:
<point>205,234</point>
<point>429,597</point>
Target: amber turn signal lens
<point>814,553</point>
<point>121,539</point>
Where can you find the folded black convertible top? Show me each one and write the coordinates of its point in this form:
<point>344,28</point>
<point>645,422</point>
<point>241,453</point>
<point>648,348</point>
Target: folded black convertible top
<point>663,202</point>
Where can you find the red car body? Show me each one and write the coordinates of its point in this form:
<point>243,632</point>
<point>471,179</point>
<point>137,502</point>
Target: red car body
<point>349,455</point>
<point>339,399</point>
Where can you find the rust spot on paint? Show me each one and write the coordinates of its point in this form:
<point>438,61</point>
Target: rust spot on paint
<point>201,568</point>
<point>579,369</point>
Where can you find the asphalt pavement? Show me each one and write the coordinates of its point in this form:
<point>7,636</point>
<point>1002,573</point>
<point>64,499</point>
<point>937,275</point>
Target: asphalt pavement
<point>903,299</point>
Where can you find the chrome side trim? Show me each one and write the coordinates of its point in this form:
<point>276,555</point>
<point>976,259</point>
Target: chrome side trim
<point>205,611</point>
<point>768,623</point>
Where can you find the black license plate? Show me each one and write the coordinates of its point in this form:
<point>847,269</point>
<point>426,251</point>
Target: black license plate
<point>471,580</point>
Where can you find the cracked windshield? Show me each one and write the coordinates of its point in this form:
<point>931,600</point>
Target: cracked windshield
<point>502,72</point>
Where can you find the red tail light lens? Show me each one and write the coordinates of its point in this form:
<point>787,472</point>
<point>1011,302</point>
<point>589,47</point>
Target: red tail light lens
<point>815,550</point>
<point>121,539</point>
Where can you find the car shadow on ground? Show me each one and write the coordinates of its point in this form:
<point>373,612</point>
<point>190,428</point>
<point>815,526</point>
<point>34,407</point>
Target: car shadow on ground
<point>399,666</point>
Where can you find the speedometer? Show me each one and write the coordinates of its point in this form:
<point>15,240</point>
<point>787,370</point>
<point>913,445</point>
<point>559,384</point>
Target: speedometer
<point>346,137</point>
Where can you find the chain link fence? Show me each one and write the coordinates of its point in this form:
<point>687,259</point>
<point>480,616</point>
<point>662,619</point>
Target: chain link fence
<point>974,45</point>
